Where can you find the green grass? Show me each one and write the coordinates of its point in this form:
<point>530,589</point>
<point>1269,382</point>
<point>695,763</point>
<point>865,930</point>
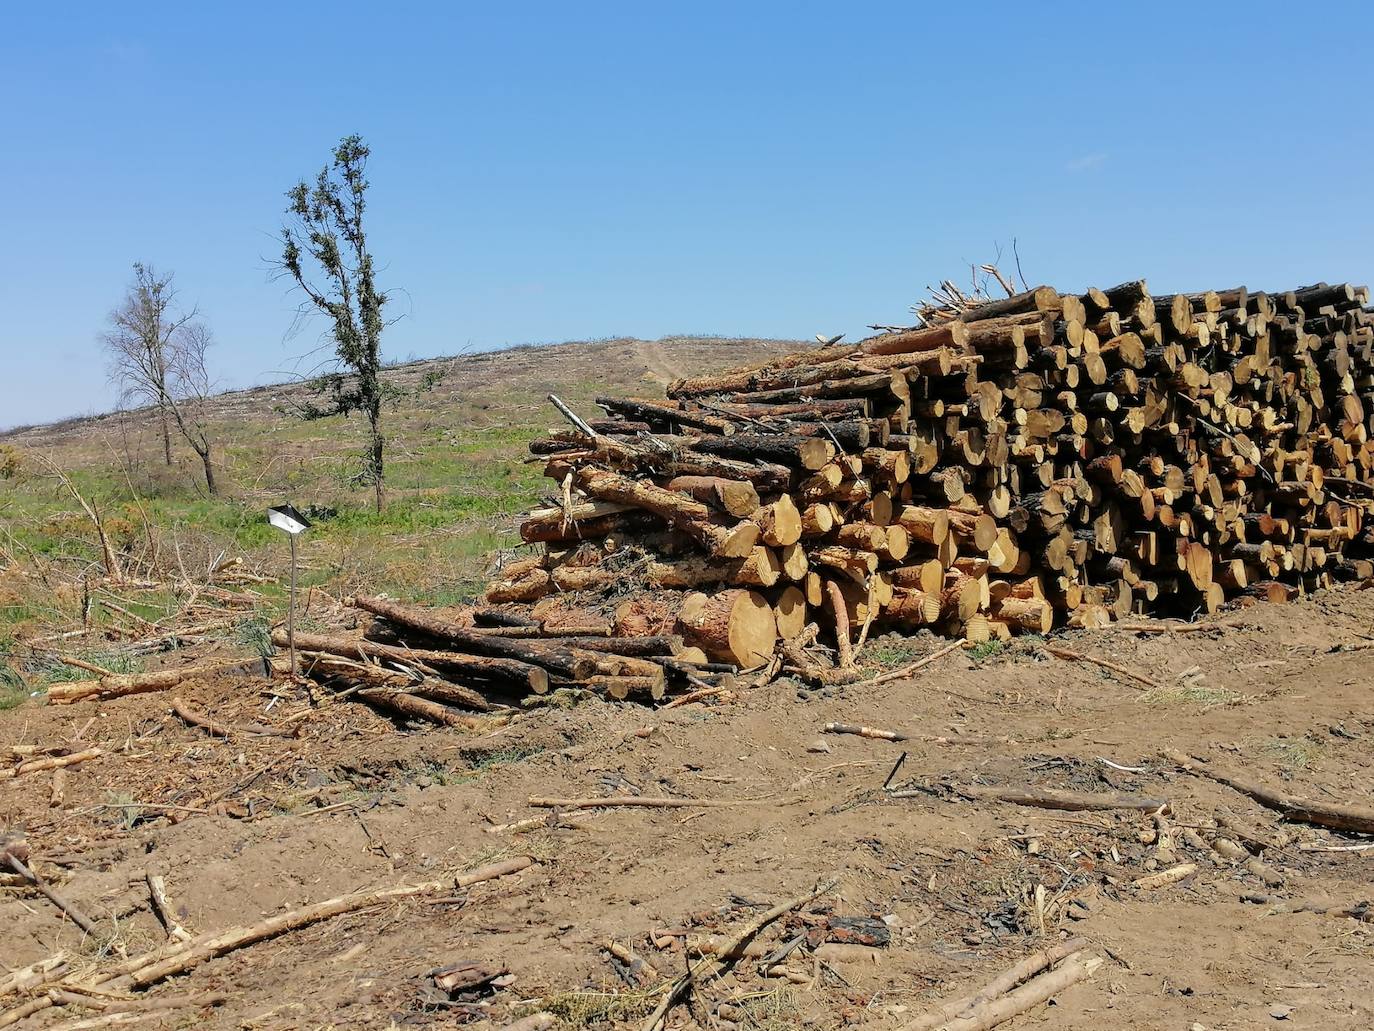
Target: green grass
<point>456,477</point>
<point>890,652</point>
<point>12,691</point>
<point>43,670</point>
<point>986,650</point>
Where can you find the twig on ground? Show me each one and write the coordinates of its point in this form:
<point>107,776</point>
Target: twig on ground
<point>157,890</point>
<point>1051,798</point>
<point>1115,667</point>
<point>636,800</point>
<point>60,901</point>
<point>218,729</point>
<point>906,671</point>
<point>51,762</point>
<point>1166,877</point>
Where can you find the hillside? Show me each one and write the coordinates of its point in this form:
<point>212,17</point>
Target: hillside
<point>455,472</point>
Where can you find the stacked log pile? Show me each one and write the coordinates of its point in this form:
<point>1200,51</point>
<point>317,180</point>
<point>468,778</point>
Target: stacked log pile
<point>1040,460</point>
<point>1043,460</point>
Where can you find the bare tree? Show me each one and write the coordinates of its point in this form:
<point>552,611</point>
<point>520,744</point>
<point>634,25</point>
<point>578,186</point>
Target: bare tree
<point>157,356</point>
<point>191,389</point>
<point>324,250</point>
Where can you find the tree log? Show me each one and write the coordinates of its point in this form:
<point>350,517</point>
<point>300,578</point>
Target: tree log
<point>735,626</point>
<point>519,674</point>
<point>554,659</point>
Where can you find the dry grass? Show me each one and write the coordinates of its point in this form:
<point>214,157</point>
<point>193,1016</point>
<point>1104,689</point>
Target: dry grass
<point>1199,695</point>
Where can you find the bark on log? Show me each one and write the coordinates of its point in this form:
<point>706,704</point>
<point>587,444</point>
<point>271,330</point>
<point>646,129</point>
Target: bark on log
<point>514,672</point>
<point>736,497</point>
<point>119,685</point>
<point>554,659</point>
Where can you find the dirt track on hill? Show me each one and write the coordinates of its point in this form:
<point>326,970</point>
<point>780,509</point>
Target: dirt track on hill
<point>956,878</point>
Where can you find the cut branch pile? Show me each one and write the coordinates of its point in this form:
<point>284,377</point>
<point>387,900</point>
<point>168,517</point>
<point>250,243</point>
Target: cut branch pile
<point>1046,459</point>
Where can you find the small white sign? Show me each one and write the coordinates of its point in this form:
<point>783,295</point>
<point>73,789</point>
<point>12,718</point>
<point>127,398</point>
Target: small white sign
<point>285,517</point>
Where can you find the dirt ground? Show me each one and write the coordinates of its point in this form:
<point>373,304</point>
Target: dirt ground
<point>269,824</point>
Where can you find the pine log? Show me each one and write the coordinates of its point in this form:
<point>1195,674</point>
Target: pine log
<point>808,453</point>
<point>520,674</point>
<point>552,658</point>
<point>779,522</point>
<point>734,626</point>
<point>790,613</point>
<point>119,685</point>
<point>683,511</point>
<point>739,498</point>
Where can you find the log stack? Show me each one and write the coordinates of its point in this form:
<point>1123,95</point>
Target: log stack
<point>1043,460</point>
<point>1040,460</point>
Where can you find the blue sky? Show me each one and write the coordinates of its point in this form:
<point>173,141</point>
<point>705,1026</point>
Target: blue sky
<point>546,172</point>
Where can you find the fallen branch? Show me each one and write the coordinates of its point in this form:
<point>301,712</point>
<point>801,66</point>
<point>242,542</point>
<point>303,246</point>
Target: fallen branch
<point>162,964</point>
<point>406,704</point>
<point>701,694</point>
<point>1032,993</point>
<point>1313,846</point>
<point>906,671</point>
<point>119,685</point>
<point>713,964</point>
<point>1359,819</point>
<point>157,890</point>
<point>502,671</point>
<point>636,800</point>
<point>89,667</point>
<point>52,762</point>
<point>639,968</point>
<point>1115,667</point>
<point>1163,627</point>
<point>998,986</point>
<point>149,970</point>
<point>1053,798</point>
<point>550,822</point>
<point>126,1008</point>
<point>60,901</point>
<point>1362,911</point>
<point>1166,877</point>
<point>1231,852</point>
<point>217,729</point>
<point>872,733</point>
<point>51,969</point>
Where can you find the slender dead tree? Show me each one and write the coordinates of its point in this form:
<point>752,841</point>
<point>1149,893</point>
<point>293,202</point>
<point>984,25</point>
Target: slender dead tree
<point>157,357</point>
<point>324,250</point>
<point>190,391</point>
<point>138,340</point>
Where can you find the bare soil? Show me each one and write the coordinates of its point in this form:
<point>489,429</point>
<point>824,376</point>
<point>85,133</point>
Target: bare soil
<point>358,801</point>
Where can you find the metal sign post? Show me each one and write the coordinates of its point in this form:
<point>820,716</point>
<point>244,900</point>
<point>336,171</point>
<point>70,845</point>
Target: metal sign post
<point>285,517</point>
